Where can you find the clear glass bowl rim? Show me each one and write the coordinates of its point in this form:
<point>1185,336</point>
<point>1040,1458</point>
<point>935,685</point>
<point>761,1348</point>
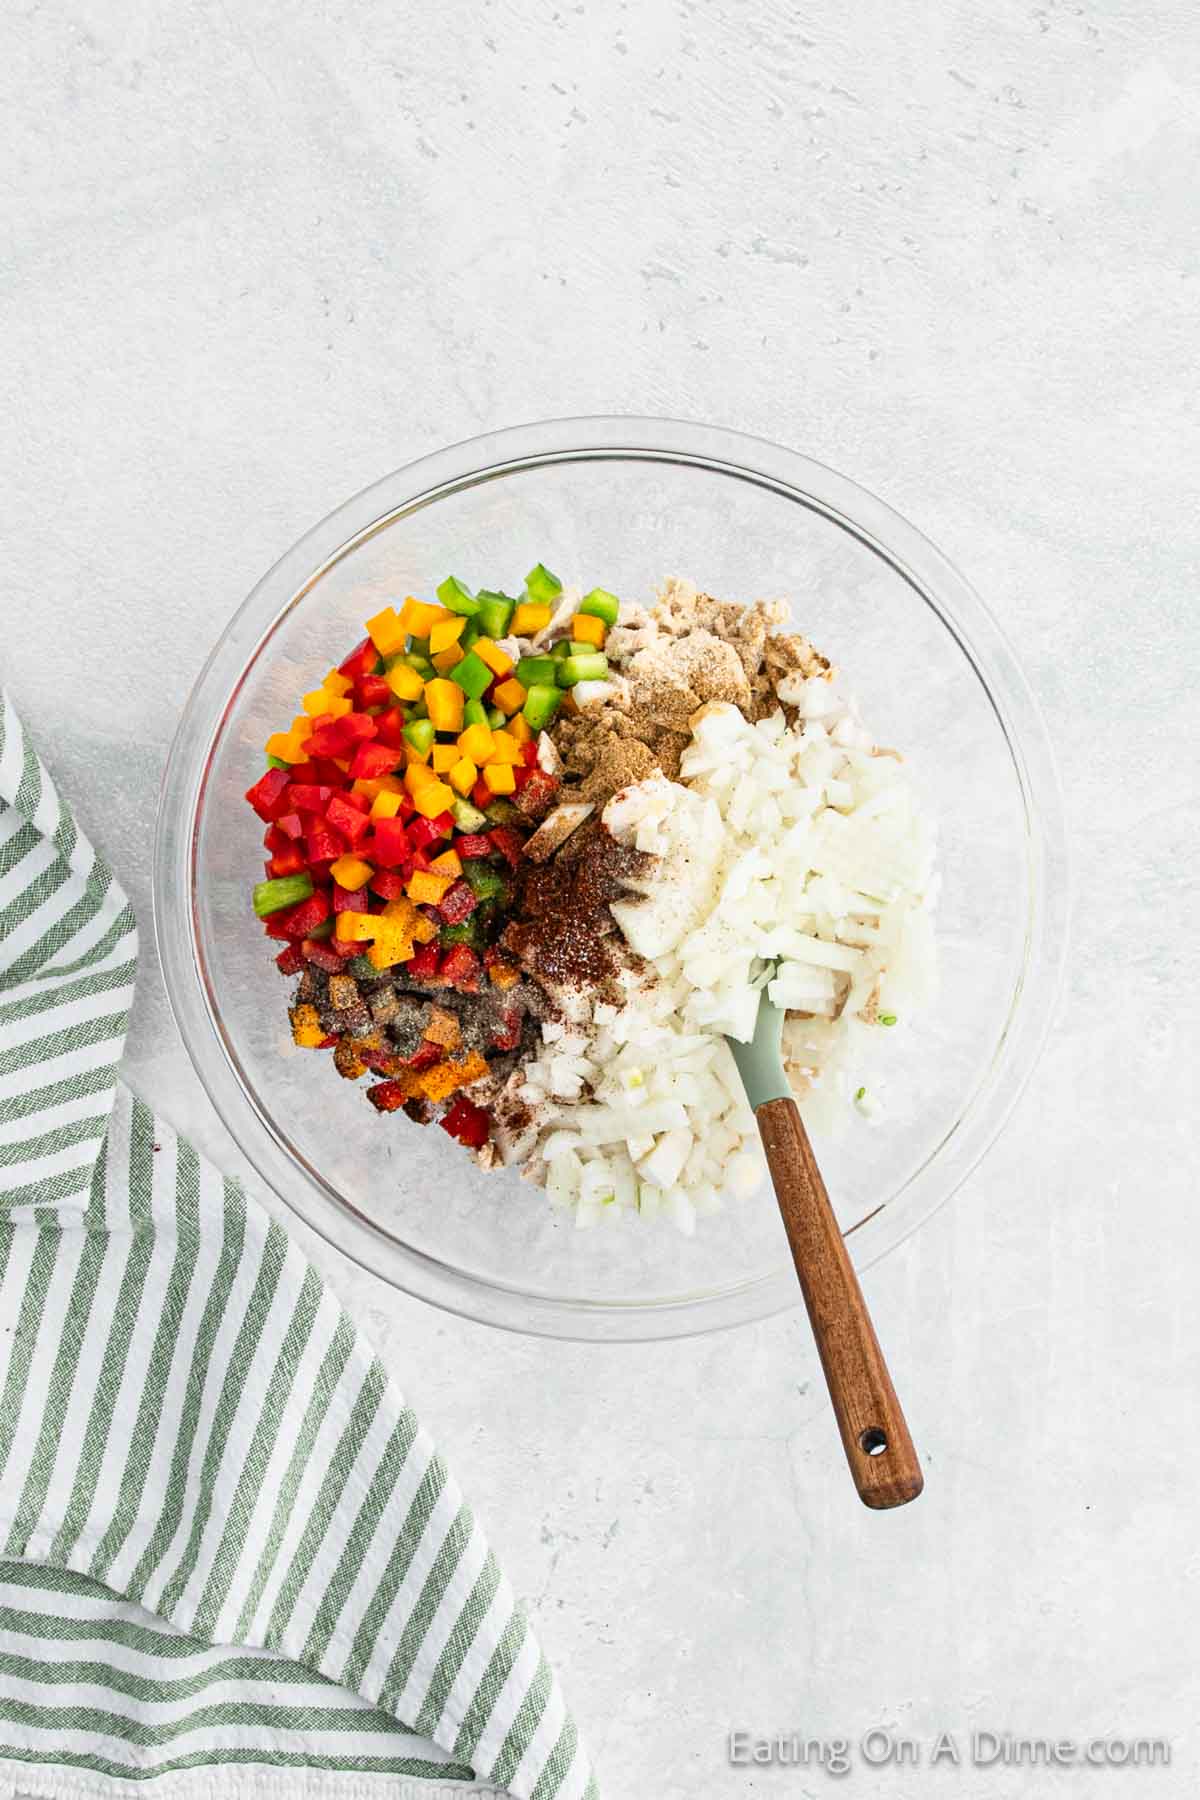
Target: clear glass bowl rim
<point>793,477</point>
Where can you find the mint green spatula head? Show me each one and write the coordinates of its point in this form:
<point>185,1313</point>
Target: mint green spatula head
<point>760,1062</point>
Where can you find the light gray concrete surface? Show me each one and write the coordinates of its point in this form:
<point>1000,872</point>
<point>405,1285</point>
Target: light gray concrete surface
<point>257,255</point>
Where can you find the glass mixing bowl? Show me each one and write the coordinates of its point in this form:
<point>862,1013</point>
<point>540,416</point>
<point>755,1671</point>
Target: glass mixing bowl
<point>620,503</point>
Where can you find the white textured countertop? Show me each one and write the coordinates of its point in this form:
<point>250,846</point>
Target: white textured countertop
<point>258,255</point>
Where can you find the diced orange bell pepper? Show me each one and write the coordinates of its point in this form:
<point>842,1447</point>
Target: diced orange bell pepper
<point>444,757</point>
<point>366,785</point>
<point>448,863</point>
<point>419,617</point>
<point>463,776</point>
<point>444,1029</point>
<point>337,683</point>
<point>529,619</point>
<point>385,805</point>
<point>351,872</point>
<point>588,630</point>
<point>447,659</point>
<point>432,798</point>
<point>476,742</point>
<point>442,1080</point>
<point>414,758</point>
<point>393,945</point>
<point>386,632</point>
<point>445,701</point>
<point>519,727</point>
<point>418,775</point>
<point>425,888</point>
<point>404,682</point>
<point>447,631</point>
<point>425,929</point>
<point>322,702</point>
<point>504,975</point>
<point>356,928</point>
<point>505,748</point>
<point>306,1027</point>
<point>499,778</point>
<point>510,696</point>
<point>283,745</point>
<point>493,656</point>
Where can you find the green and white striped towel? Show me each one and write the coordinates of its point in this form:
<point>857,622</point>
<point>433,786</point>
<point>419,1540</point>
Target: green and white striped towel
<point>224,1538</point>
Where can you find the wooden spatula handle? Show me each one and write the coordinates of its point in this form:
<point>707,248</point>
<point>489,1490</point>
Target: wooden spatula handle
<point>876,1439</point>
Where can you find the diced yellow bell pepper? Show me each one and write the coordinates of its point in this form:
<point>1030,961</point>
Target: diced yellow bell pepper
<point>432,798</point>
<point>529,619</point>
<point>393,945</point>
<point>356,928</point>
<point>444,758</point>
<point>510,696</point>
<point>301,728</point>
<point>418,775</point>
<point>463,776</point>
<point>283,745</point>
<point>419,617</point>
<point>337,683</point>
<point>366,785</point>
<point>493,656</point>
<point>425,929</point>
<point>404,682</point>
<point>476,742</point>
<point>588,630</point>
<point>401,911</point>
<point>414,758</point>
<point>426,888</point>
<point>321,703</point>
<point>385,805</point>
<point>306,1027</point>
<point>441,1081</point>
<point>351,872</point>
<point>386,632</point>
<point>447,631</point>
<point>447,659</point>
<point>445,701</point>
<point>505,749</point>
<point>448,863</point>
<point>499,778</point>
<point>519,727</point>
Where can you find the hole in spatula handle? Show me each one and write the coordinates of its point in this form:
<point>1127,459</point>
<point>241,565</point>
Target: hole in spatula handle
<point>873,1440</point>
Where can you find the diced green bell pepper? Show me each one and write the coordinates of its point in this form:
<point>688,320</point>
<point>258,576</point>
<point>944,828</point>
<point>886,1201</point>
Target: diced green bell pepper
<point>497,718</point>
<point>472,675</point>
<point>532,669</point>
<point>420,733</point>
<point>467,933</point>
<point>541,703</point>
<point>495,612</point>
<point>362,969</point>
<point>470,632</point>
<point>285,890</point>
<point>468,817</point>
<point>591,665</point>
<point>561,649</point>
<point>475,713</point>
<point>324,930</point>
<point>600,604</point>
<point>457,597</point>
<point>277,762</point>
<point>542,587</point>
<point>501,811</point>
<point>485,882</point>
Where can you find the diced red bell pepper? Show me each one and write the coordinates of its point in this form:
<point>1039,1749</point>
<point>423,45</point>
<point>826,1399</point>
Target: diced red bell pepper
<point>469,1123</point>
<point>389,846</point>
<point>301,921</point>
<point>387,883</point>
<point>474,844</point>
<point>327,773</point>
<point>359,802</point>
<point>310,796</point>
<point>323,845</point>
<point>460,967</point>
<point>421,860</point>
<point>423,964</point>
<point>389,728</point>
<point>457,903</point>
<point>321,956</point>
<point>327,1043</point>
<point>286,862</point>
<point>275,840</point>
<point>320,873</point>
<point>482,795</point>
<point>387,1096</point>
<point>536,794</point>
<point>290,961</point>
<point>362,660</point>
<point>372,690</point>
<point>424,1056</point>
<point>423,832</point>
<point>383,1062</point>
<point>268,796</point>
<point>340,735</point>
<point>291,825</point>
<point>349,820</point>
<point>529,754</point>
<point>508,842</point>
<point>274,926</point>
<point>507,1033</point>
<point>350,899</point>
<point>373,760</point>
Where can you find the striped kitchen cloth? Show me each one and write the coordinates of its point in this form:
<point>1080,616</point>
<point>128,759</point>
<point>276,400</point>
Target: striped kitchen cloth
<point>228,1551</point>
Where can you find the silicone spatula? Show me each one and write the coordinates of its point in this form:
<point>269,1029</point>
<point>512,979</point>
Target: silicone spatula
<point>875,1435</point>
